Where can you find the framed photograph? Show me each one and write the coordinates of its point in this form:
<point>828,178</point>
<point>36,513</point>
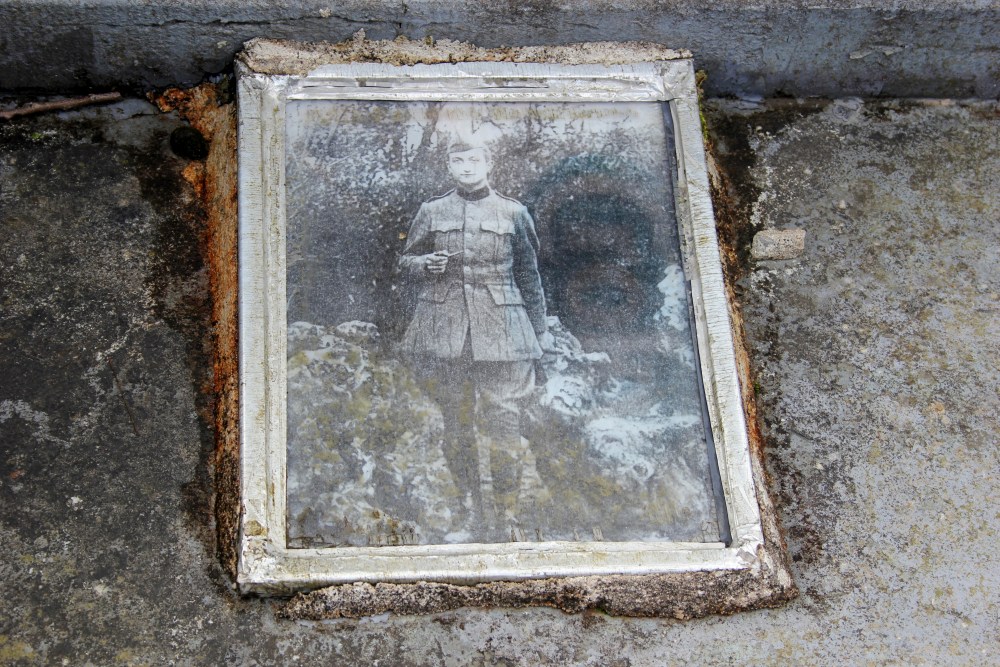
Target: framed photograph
<point>483,329</point>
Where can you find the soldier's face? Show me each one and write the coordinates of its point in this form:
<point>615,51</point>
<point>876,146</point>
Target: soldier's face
<point>470,168</point>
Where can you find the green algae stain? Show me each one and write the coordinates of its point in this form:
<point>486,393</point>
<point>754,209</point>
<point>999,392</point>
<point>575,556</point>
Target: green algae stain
<point>14,650</point>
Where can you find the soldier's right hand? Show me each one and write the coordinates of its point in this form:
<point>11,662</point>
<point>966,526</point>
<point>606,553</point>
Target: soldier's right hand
<point>436,262</point>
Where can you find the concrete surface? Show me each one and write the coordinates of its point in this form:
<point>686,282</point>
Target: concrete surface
<point>876,354</point>
<point>778,244</point>
<point>939,48</point>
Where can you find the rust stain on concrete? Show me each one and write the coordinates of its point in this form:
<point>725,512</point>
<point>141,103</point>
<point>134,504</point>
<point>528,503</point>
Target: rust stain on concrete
<point>208,110</point>
<point>733,227</point>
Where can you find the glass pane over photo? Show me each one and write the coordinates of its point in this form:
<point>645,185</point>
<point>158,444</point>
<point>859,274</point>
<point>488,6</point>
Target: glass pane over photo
<point>489,327</point>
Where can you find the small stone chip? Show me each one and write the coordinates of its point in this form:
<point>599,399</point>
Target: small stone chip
<point>778,244</point>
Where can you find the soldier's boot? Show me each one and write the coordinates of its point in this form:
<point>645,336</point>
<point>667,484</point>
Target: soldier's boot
<point>462,457</point>
<point>488,511</point>
<point>506,469</point>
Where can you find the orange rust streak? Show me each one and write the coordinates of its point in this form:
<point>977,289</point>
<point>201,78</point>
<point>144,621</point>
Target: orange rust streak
<point>214,182</point>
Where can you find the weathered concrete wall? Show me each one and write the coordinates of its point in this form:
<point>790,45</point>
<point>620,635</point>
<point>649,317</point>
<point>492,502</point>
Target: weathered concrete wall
<point>936,48</point>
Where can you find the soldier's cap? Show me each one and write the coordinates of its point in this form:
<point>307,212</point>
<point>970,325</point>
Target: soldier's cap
<point>462,144</point>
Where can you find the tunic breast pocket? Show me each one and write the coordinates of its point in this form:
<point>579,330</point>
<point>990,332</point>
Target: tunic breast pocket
<point>498,242</point>
<point>497,224</point>
<point>449,241</point>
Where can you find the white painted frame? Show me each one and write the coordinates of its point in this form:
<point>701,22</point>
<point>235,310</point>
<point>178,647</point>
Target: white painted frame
<point>266,565</point>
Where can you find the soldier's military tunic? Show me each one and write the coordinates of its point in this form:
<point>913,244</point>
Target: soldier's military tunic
<point>490,290</point>
<point>474,333</point>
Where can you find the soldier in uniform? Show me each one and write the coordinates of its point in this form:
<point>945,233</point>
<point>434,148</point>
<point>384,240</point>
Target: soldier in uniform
<point>478,328</point>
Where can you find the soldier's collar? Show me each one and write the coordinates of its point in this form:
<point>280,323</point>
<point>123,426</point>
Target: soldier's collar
<point>474,195</point>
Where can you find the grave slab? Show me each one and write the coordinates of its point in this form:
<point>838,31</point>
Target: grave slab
<point>874,353</point>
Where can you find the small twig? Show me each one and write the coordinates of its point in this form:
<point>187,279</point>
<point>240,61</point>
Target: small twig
<point>128,408</point>
<point>60,105</point>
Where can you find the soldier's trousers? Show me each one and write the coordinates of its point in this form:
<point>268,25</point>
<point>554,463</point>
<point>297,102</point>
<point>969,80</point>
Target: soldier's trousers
<point>483,397</point>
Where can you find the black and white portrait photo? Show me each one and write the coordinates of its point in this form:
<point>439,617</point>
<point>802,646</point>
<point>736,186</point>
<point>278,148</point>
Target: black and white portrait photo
<point>488,327</point>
